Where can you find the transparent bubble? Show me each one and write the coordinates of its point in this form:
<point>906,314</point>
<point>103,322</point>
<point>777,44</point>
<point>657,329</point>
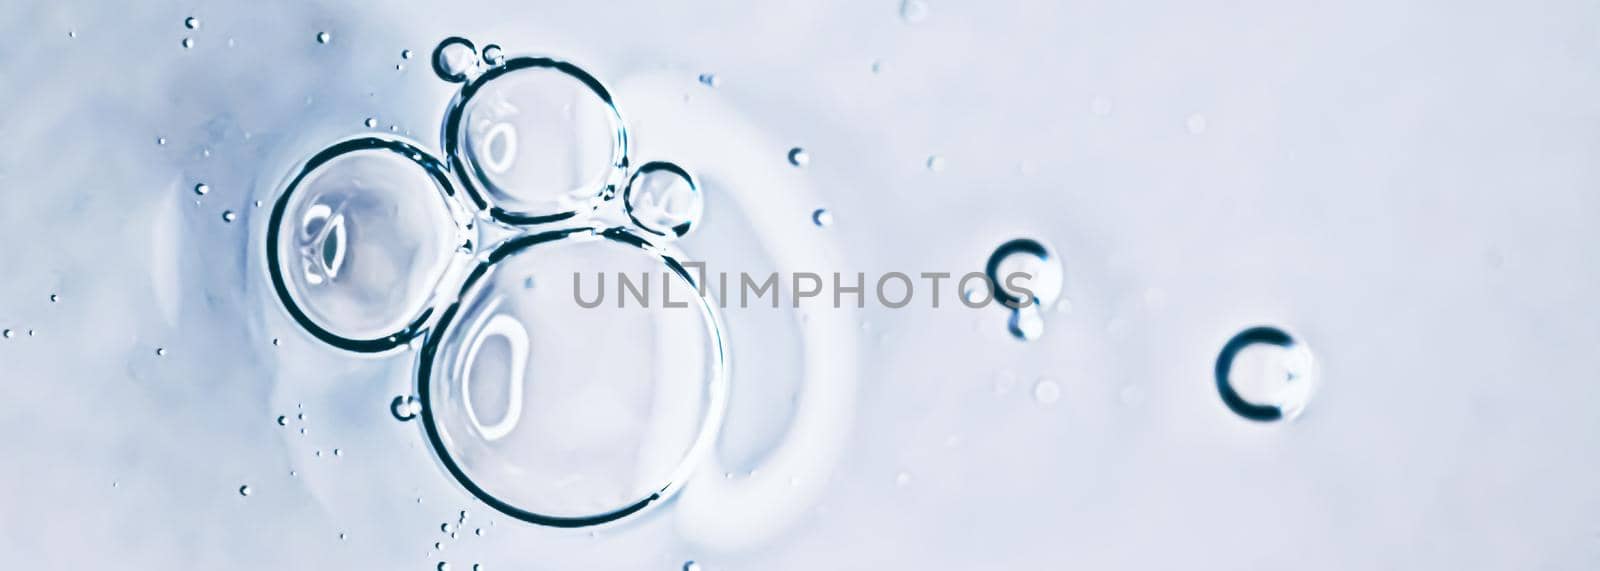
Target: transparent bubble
<point>201,189</point>
<point>404,407</point>
<point>493,55</point>
<point>191,22</point>
<point>936,163</point>
<point>1046,392</point>
<point>187,43</point>
<point>371,123</point>
<point>324,37</point>
<point>454,59</point>
<point>563,415</point>
<point>539,139</point>
<point>228,216</point>
<point>710,80</point>
<point>405,54</point>
<point>664,199</point>
<point>822,218</point>
<point>1027,278</point>
<point>360,240</point>
<point>1264,374</point>
<point>244,490</point>
<point>799,157</point>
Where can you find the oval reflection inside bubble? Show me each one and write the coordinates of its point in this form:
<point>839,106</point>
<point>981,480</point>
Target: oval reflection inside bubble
<point>565,415</point>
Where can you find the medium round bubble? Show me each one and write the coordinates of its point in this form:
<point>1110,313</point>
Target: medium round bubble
<point>454,58</point>
<point>566,415</point>
<point>359,242</point>
<point>536,140</point>
<point>1265,374</point>
<point>493,55</point>
<point>663,199</point>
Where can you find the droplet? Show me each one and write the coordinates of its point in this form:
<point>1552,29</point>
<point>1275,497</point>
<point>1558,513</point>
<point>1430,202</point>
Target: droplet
<point>404,407</point>
<point>187,43</point>
<point>1046,392</point>
<point>228,216</point>
<point>936,163</point>
<point>822,218</point>
<point>371,123</point>
<point>201,189</point>
<point>493,55</point>
<point>454,58</point>
<point>1026,278</point>
<point>244,490</point>
<point>1264,374</point>
<point>799,157</point>
<point>1196,124</point>
<point>663,199</point>
<point>710,79</point>
<point>191,22</point>
<point>913,11</point>
<point>324,37</point>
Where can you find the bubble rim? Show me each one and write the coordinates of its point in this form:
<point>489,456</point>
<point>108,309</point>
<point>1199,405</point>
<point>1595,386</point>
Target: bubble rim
<point>674,232</point>
<point>435,171</point>
<point>452,135</point>
<point>1260,334</point>
<point>711,423</point>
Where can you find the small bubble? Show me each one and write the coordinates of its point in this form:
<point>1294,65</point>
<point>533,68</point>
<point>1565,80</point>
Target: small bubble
<point>244,490</point>
<point>341,536</point>
<point>324,37</point>
<point>274,341</point>
<point>1265,374</point>
<point>228,216</point>
<point>1046,392</point>
<point>7,333</point>
<point>799,157</point>
<point>902,479</point>
<point>446,527</point>
<point>191,22</point>
<point>877,67</point>
<point>404,407</point>
<point>1196,124</point>
<point>160,351</point>
<point>187,43</point>
<point>338,452</point>
<point>462,517</point>
<point>454,58</point>
<point>936,163</point>
<point>913,11</point>
<point>710,80</point>
<point>54,298</point>
<point>478,532</point>
<point>405,54</point>
<point>492,54</point>
<point>371,123</point>
<point>283,420</point>
<point>72,33</point>
<point>201,189</point>
<point>161,140</point>
<point>822,218</point>
<point>691,566</point>
<point>443,566</point>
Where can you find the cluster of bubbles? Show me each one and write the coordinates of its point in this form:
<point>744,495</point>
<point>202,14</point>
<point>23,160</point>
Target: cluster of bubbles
<point>377,245</point>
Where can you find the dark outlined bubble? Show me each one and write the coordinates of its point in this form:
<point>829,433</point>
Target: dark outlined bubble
<point>1264,374</point>
<point>536,140</point>
<point>564,415</point>
<point>1026,278</point>
<point>359,241</point>
<point>663,199</point>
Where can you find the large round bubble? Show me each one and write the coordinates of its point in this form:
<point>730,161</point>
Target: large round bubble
<point>536,140</point>
<point>359,241</point>
<point>562,397</point>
